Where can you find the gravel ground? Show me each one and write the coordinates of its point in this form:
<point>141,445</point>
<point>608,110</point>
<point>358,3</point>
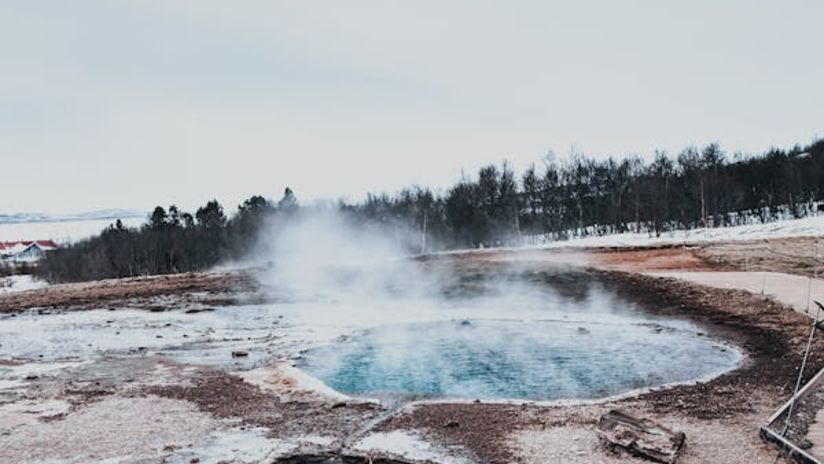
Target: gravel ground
<point>707,441</point>
<point>129,429</point>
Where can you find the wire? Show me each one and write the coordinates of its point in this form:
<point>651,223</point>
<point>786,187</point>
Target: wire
<point>789,255</point>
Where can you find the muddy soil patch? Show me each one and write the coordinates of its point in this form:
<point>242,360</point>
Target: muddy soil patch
<point>657,258</point>
<point>791,255</point>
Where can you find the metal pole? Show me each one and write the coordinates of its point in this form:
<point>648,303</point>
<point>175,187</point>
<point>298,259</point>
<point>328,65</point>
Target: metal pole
<point>801,371</point>
<point>810,279</point>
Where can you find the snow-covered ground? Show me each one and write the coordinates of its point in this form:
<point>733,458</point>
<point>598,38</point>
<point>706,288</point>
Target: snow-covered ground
<point>19,283</point>
<point>809,226</point>
<point>82,216</point>
<point>60,231</point>
<point>406,444</point>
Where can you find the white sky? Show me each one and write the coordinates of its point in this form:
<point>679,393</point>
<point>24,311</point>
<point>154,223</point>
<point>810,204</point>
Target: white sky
<point>129,104</point>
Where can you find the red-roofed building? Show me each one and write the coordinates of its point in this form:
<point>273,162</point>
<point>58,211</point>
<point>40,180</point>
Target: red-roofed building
<point>25,250</point>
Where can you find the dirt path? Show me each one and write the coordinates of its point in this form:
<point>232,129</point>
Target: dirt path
<point>797,292</point>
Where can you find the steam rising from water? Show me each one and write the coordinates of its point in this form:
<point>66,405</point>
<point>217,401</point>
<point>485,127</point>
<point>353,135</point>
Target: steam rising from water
<point>504,336</point>
<point>324,255</point>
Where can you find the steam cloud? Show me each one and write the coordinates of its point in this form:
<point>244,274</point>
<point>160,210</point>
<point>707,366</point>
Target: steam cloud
<point>321,254</point>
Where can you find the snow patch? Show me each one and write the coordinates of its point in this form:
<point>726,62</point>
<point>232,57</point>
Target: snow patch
<point>20,283</point>
<point>407,445</point>
<point>232,445</point>
<point>809,226</point>
<point>306,382</point>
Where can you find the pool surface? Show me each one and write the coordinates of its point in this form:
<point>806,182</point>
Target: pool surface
<point>519,359</point>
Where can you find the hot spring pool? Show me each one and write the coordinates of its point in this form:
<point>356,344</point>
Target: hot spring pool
<point>519,359</point>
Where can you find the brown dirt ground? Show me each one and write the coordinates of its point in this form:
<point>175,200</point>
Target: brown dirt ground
<point>654,259</point>
<point>795,255</point>
<point>139,292</point>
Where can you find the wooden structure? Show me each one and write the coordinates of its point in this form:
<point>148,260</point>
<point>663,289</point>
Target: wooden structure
<point>641,437</point>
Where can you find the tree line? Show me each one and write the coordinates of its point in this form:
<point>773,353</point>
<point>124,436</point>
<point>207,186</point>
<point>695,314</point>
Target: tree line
<point>574,197</point>
<point>583,196</point>
<point>171,241</point>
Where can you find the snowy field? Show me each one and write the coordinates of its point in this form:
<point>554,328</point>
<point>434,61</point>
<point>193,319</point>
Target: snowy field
<point>809,226</point>
<point>20,283</point>
<point>60,231</point>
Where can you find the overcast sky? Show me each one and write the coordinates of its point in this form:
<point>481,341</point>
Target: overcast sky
<point>129,104</point>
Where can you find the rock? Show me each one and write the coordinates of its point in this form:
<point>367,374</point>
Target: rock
<point>339,404</point>
<point>641,437</point>
<point>240,354</point>
<point>805,444</point>
<point>452,424</point>
<point>198,310</point>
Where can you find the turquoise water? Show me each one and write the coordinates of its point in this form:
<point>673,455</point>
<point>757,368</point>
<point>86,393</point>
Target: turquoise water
<point>519,359</point>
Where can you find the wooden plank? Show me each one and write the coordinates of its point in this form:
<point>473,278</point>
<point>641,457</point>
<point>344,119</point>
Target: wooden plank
<point>641,437</point>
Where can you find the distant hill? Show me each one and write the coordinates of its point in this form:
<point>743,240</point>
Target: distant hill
<point>22,218</point>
